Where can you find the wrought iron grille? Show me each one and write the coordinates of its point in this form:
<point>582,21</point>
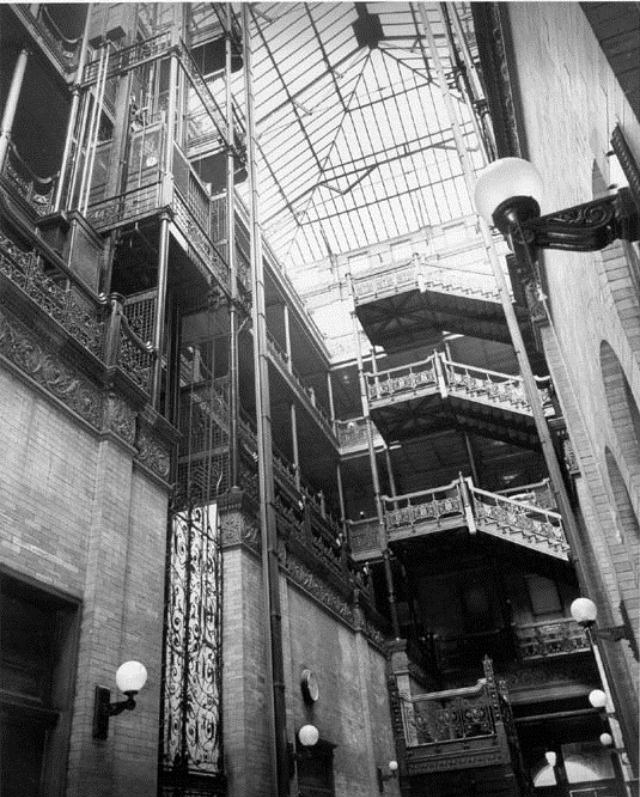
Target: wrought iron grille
<point>192,676</point>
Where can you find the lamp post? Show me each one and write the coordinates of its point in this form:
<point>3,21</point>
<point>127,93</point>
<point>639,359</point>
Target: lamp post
<point>584,611</point>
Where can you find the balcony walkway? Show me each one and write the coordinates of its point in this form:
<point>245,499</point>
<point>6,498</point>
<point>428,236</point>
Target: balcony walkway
<point>459,505</point>
<point>437,393</point>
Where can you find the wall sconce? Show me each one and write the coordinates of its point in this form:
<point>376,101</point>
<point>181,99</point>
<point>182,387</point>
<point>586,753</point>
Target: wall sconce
<point>384,777</point>
<point>584,611</point>
<point>507,196</point>
<point>130,678</point>
<point>551,758</point>
<point>308,736</point>
<point>606,739</point>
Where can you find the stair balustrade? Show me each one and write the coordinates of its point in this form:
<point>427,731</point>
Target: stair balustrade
<point>447,377</point>
<point>422,273</point>
<point>460,504</point>
<point>524,523</point>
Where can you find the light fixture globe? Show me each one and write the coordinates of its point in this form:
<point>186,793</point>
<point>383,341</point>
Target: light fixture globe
<point>606,739</point>
<point>308,735</point>
<point>597,698</point>
<point>551,758</point>
<point>584,611</point>
<point>131,677</point>
<point>507,191</point>
<point>393,766</point>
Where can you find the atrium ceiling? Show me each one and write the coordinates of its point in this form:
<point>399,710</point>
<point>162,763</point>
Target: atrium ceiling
<point>354,145</point>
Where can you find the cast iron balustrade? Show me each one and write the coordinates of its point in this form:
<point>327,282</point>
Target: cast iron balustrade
<point>459,505</point>
<point>37,192</point>
<point>480,384</point>
<point>352,435</point>
<point>457,728</point>
<point>525,524</point>
<point>438,374</point>
<point>58,293</point>
<point>549,639</point>
<point>404,380</point>
<point>537,494</point>
<point>65,50</point>
<point>442,507</point>
<point>421,273</point>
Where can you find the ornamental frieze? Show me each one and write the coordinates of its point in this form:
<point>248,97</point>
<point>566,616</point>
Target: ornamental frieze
<point>236,528</point>
<point>304,578</point>
<point>153,452</point>
<point>21,347</point>
<point>119,418</point>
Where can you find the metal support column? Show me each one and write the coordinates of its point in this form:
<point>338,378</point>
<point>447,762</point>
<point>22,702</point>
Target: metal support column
<point>234,393</point>
<point>73,113</point>
<point>158,323</point>
<point>294,443</point>
<point>275,697</point>
<point>287,337</point>
<point>382,530</point>
<point>11,105</point>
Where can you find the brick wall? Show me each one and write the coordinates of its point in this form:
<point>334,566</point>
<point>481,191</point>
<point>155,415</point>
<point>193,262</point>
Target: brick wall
<point>570,103</point>
<point>352,712</point>
<point>77,515</point>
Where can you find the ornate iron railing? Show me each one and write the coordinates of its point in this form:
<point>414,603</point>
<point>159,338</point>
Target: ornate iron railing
<point>422,274</point>
<point>449,716</point>
<point>548,639</point>
<point>460,504</point>
<point>537,494</point>
<point>37,192</point>
<point>509,518</point>
<point>426,505</point>
<point>480,383</point>
<point>56,294</point>
<point>406,379</point>
<point>448,377</point>
<point>125,208</point>
<point>198,239</point>
<point>364,535</point>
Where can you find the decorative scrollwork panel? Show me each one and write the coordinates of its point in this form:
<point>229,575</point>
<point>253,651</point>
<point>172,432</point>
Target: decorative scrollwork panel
<point>192,697</point>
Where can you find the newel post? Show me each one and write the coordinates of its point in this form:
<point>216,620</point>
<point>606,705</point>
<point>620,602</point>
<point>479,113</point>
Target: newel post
<point>113,327</point>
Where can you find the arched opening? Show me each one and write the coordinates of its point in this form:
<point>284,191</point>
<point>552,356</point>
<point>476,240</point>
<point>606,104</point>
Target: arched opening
<point>622,407</point>
<point>626,516</point>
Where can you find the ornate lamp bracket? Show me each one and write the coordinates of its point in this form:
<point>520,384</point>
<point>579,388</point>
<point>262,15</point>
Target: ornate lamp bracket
<point>583,228</point>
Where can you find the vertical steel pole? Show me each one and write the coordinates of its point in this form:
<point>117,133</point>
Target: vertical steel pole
<point>382,528</point>
<point>531,388</point>
<point>73,112</point>
<point>165,236</point>
<point>233,270</point>
<point>11,105</point>
<point>270,570</point>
